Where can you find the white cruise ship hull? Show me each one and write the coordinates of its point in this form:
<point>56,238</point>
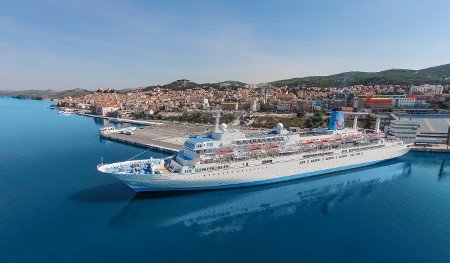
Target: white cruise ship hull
<point>257,172</point>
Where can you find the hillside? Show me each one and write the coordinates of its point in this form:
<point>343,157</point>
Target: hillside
<point>232,83</point>
<point>183,84</point>
<point>45,94</point>
<point>433,75</point>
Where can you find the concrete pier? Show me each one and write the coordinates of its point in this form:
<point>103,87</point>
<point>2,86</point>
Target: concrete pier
<point>442,148</point>
<point>152,144</point>
<point>130,121</point>
<point>167,137</point>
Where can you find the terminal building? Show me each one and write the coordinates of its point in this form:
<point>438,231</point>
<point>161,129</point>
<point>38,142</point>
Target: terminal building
<point>425,128</point>
<point>403,129</point>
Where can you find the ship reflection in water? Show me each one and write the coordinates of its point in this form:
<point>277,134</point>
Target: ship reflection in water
<point>228,210</point>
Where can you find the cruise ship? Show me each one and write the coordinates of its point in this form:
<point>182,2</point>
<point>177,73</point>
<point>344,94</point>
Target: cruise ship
<point>229,158</point>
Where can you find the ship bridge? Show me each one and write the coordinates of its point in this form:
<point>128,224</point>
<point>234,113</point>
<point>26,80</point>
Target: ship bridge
<point>199,142</point>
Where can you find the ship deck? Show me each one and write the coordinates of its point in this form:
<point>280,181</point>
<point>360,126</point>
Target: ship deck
<point>138,167</point>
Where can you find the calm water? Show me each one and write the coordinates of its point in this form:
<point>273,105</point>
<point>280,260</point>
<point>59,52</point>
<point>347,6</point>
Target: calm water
<point>55,206</point>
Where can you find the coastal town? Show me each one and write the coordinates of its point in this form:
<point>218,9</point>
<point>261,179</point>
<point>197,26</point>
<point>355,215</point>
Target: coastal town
<point>160,102</point>
<point>410,112</point>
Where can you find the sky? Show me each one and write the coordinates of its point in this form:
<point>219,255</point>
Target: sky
<point>53,44</point>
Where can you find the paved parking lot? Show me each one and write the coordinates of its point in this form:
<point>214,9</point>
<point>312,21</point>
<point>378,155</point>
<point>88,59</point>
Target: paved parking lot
<point>169,136</point>
<point>432,123</point>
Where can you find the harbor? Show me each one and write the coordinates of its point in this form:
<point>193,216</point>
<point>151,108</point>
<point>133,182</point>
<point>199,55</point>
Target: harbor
<point>169,137</point>
<point>71,200</point>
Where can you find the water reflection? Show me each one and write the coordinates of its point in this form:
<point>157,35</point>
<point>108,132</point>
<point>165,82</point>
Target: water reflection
<point>228,210</point>
<point>442,171</point>
<point>101,122</point>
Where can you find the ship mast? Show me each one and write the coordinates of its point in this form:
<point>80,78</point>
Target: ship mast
<point>217,122</point>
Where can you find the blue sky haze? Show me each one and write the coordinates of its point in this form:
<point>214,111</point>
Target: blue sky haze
<point>126,44</point>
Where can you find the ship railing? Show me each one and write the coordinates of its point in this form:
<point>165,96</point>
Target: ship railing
<point>246,155</point>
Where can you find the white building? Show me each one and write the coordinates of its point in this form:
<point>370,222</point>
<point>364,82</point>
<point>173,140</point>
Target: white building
<point>406,102</point>
<point>254,105</point>
<point>205,103</point>
<point>403,129</point>
<point>427,88</point>
<point>104,110</point>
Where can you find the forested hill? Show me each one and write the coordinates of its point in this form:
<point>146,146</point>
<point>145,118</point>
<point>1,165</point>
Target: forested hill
<point>433,75</point>
<point>48,94</point>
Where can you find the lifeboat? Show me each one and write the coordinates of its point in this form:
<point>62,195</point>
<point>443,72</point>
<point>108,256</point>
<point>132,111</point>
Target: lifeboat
<point>324,140</point>
<point>272,146</point>
<point>255,148</point>
<point>225,150</point>
<point>308,142</point>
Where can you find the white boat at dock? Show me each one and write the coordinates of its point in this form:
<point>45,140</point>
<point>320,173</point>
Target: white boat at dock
<point>111,130</point>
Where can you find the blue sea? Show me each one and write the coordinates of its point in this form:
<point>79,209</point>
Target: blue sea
<point>55,206</point>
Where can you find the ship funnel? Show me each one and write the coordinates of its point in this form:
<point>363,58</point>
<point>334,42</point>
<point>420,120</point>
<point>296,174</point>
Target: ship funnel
<point>336,120</point>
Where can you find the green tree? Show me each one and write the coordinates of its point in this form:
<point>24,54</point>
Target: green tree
<point>369,123</point>
<point>301,114</point>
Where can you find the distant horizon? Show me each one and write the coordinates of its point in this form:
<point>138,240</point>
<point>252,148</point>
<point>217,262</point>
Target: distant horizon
<point>111,44</point>
<point>213,82</point>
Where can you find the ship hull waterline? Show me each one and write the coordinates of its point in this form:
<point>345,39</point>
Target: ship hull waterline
<point>144,183</point>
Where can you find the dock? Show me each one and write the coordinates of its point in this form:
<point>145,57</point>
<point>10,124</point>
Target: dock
<point>130,121</point>
<point>169,138</point>
<point>441,148</point>
<point>166,137</point>
<point>155,145</point>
